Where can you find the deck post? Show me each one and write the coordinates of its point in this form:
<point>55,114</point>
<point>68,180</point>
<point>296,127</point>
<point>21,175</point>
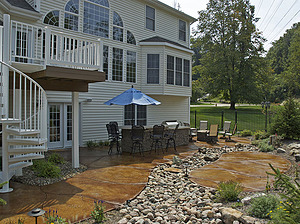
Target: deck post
<point>75,129</point>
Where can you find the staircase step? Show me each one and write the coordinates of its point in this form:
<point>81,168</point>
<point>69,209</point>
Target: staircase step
<point>10,121</point>
<point>23,132</point>
<point>26,141</point>
<point>25,157</point>
<point>16,166</point>
<point>23,150</point>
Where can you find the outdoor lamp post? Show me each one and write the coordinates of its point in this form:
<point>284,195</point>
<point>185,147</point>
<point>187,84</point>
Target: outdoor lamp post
<point>266,104</point>
<point>36,213</point>
<point>185,164</point>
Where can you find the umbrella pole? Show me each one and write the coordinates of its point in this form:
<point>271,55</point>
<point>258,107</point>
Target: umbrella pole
<point>132,115</point>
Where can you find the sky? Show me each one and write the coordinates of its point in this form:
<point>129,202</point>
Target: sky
<point>276,16</point>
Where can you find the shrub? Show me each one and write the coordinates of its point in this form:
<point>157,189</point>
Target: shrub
<point>261,206</point>
<point>287,120</point>
<point>52,217</point>
<point>228,191</point>
<point>106,143</point>
<point>100,143</point>
<point>288,210</point>
<point>261,135</point>
<point>246,133</point>
<point>2,201</point>
<point>45,168</point>
<point>98,212</point>
<point>264,146</point>
<point>55,158</point>
<point>91,144</point>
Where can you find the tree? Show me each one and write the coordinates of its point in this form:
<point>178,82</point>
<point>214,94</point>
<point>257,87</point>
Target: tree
<point>231,51</point>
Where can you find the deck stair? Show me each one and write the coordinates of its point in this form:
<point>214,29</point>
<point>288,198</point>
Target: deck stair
<point>23,118</point>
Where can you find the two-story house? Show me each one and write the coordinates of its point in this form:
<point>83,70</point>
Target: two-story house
<point>59,56</point>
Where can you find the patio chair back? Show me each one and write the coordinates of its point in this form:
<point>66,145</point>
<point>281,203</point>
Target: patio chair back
<point>213,130</point>
<point>158,131</point>
<point>226,126</point>
<point>114,129</point>
<point>137,133</point>
<point>203,125</point>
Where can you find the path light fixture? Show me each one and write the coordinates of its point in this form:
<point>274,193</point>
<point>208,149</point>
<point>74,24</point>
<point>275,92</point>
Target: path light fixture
<point>36,213</point>
<point>185,165</point>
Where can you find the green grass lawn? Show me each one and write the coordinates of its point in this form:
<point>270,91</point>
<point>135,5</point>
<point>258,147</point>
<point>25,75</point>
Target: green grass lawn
<point>248,117</point>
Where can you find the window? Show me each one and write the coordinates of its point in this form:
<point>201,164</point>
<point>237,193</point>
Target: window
<point>153,68</point>
<point>131,66</point>
<point>130,115</point>
<point>117,28</point>
<point>178,72</point>
<point>52,18</point>
<point>170,70</point>
<point>130,38</point>
<point>105,61</point>
<point>150,18</point>
<point>186,73</point>
<point>71,15</point>
<point>182,30</point>
<point>117,64</point>
<point>96,18</point>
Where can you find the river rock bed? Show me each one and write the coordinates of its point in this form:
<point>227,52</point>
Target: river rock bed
<point>171,197</point>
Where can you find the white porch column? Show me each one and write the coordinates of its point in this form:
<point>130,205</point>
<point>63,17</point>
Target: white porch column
<point>75,129</point>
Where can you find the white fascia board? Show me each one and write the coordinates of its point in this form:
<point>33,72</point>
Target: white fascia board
<point>17,11</point>
<point>167,45</point>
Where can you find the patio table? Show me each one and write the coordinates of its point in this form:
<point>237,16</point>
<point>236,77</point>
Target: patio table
<point>182,137</point>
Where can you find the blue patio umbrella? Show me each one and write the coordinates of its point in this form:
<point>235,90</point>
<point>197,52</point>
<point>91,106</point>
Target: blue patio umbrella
<point>132,97</point>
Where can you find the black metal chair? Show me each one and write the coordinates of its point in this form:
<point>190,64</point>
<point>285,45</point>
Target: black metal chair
<point>157,137</point>
<point>113,136</point>
<point>171,136</point>
<point>137,137</point>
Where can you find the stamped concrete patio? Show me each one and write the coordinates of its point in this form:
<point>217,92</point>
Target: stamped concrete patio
<point>116,179</point>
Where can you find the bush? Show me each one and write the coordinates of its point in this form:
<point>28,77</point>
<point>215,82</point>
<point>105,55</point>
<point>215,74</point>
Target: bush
<point>246,133</point>
<point>53,218</point>
<point>264,146</point>
<point>46,169</point>
<point>56,159</point>
<point>287,120</point>
<point>98,212</point>
<point>288,210</point>
<point>91,144</point>
<point>261,135</point>
<point>2,201</point>
<point>261,206</point>
<point>228,191</point>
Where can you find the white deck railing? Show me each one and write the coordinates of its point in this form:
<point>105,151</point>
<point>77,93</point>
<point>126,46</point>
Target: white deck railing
<point>41,46</point>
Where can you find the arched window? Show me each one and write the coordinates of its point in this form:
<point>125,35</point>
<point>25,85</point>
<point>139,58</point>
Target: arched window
<point>96,17</point>
<point>71,15</point>
<point>130,38</point>
<point>52,18</point>
<point>118,27</point>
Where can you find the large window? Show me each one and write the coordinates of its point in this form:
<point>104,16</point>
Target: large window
<point>136,114</point>
<point>96,18</point>
<point>71,15</point>
<point>186,73</point>
<point>118,27</point>
<point>130,38</point>
<point>170,70</point>
<point>117,65</point>
<point>131,67</point>
<point>178,80</point>
<point>153,68</point>
<point>105,60</point>
<point>182,30</point>
<point>52,18</point>
<point>150,18</point>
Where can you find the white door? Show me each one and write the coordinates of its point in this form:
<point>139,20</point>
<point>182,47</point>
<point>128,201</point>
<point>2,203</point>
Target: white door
<point>60,125</point>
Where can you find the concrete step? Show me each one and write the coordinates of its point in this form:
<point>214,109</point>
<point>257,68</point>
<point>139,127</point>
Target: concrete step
<point>26,141</point>
<point>26,157</point>
<point>23,132</point>
<point>24,150</point>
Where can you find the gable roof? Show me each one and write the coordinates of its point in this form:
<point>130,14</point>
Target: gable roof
<point>158,39</point>
<point>21,4</point>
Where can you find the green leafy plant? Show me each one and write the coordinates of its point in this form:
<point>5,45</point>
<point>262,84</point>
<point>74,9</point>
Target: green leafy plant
<point>229,191</point>
<point>246,133</point>
<point>2,202</point>
<point>261,135</point>
<point>289,191</point>
<point>264,145</point>
<point>51,217</point>
<point>106,143</point>
<point>55,158</point>
<point>20,221</point>
<point>91,144</point>
<point>261,206</point>
<point>100,143</point>
<point>45,168</point>
<point>98,212</point>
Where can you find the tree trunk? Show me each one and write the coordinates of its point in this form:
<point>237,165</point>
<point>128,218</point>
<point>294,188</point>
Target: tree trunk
<point>232,105</point>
